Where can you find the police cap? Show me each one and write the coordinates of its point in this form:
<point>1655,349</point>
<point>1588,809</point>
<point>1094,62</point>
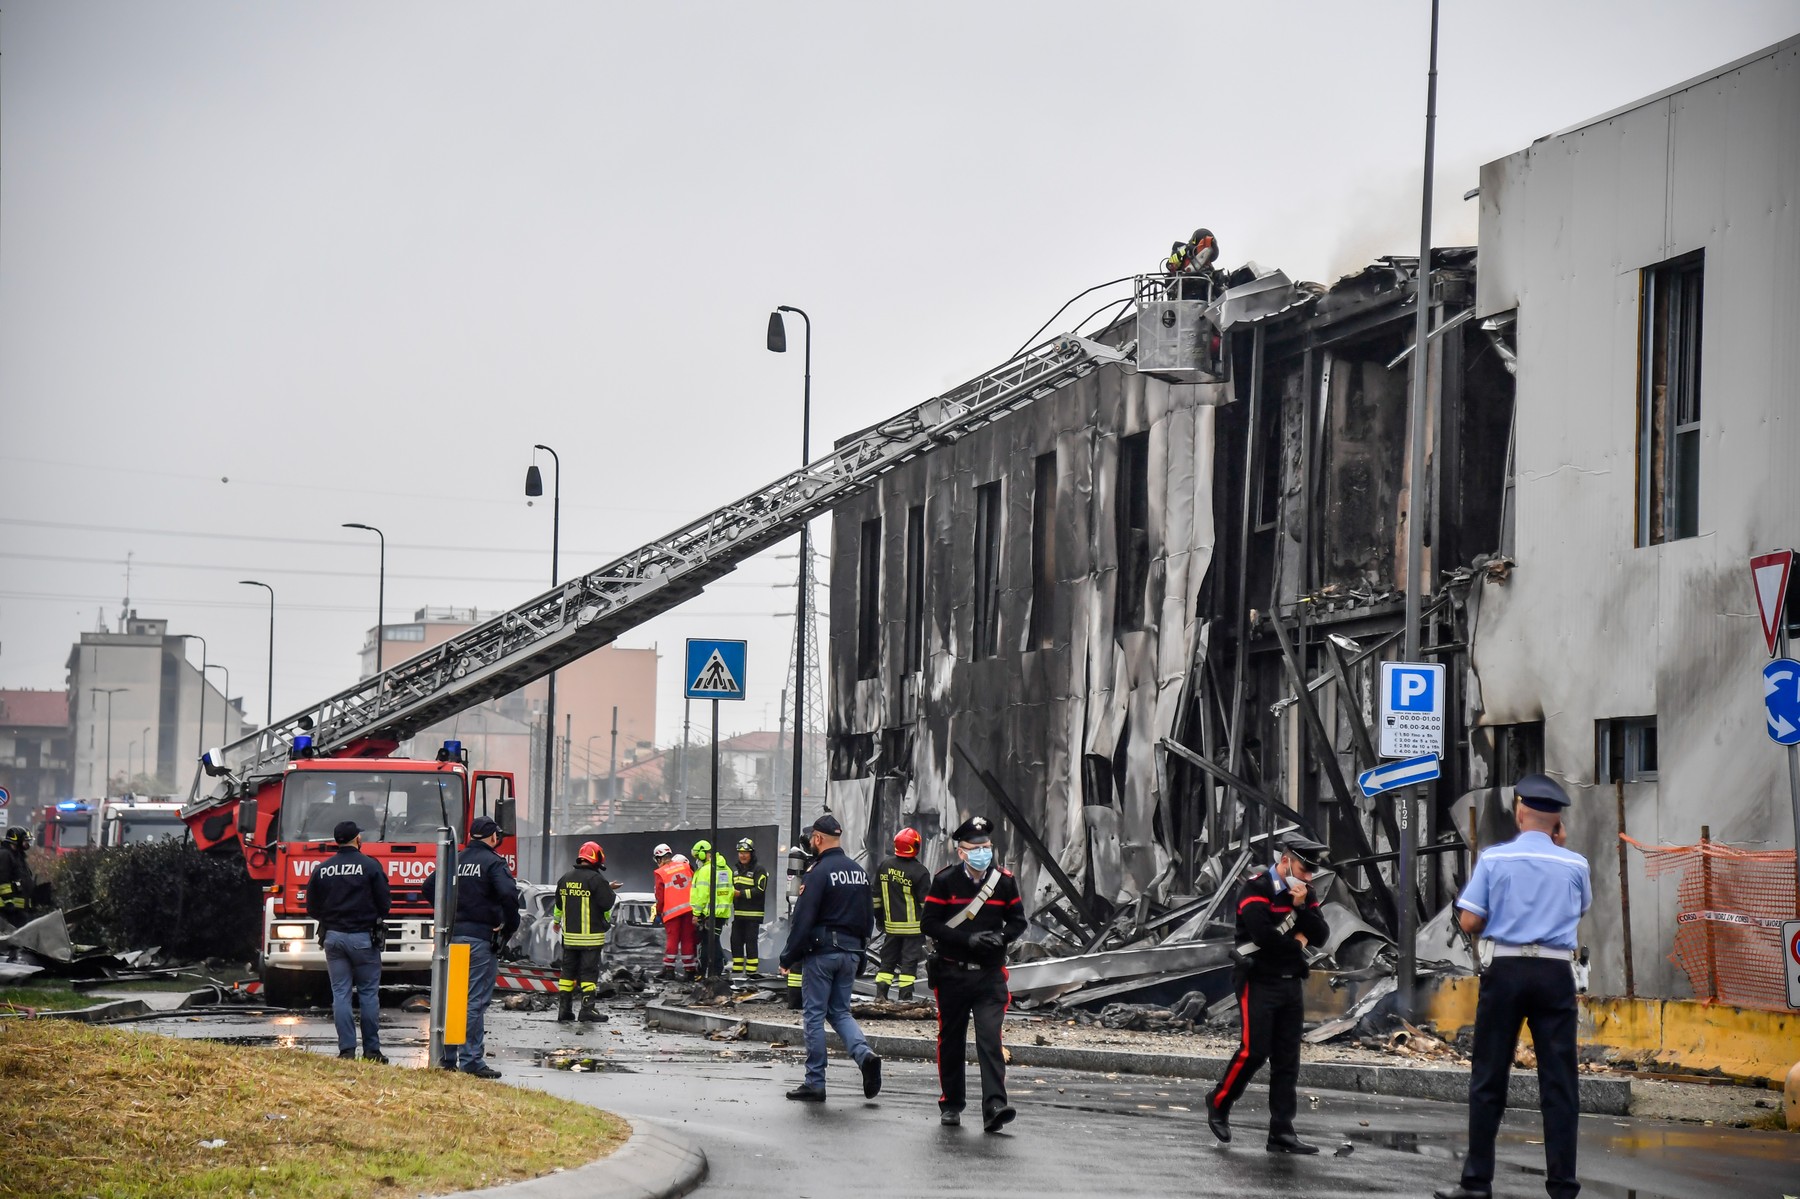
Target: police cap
<point>346,831</point>
<point>1541,792</point>
<point>1304,849</point>
<point>484,826</point>
<point>828,825</point>
<point>974,830</point>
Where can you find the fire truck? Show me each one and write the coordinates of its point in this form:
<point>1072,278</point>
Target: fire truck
<point>64,827</point>
<point>132,819</point>
<point>278,791</point>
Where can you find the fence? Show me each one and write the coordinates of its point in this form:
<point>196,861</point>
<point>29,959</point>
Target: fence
<point>1730,904</point>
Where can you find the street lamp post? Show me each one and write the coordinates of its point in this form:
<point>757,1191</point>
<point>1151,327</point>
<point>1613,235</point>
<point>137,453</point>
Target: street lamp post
<point>108,692</point>
<point>534,486</point>
<point>144,757</point>
<point>200,719</point>
<point>225,706</point>
<point>777,343</point>
<point>380,591</point>
<point>130,752</point>
<point>271,699</point>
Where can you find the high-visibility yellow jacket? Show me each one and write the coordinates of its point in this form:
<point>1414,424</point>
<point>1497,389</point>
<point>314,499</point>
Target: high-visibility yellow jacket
<point>900,889</point>
<point>712,885</point>
<point>583,907</point>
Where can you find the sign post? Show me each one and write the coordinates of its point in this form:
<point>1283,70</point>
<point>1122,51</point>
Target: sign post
<point>1790,956</point>
<point>715,671</point>
<point>1412,727</point>
<point>1769,575</point>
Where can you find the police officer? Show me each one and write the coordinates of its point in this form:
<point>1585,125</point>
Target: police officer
<point>16,882</point>
<point>827,939</point>
<point>487,912</point>
<point>1525,898</point>
<point>901,885</point>
<point>583,909</point>
<point>973,911</point>
<point>750,886</point>
<point>1277,918</point>
<point>348,896</point>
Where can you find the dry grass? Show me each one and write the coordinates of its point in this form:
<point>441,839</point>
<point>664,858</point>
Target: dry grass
<point>120,1115</point>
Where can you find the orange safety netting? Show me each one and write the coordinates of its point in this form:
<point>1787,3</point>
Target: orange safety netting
<point>1730,906</point>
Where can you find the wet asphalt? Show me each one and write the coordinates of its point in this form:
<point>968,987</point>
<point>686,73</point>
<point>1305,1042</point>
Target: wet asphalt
<point>1076,1135</point>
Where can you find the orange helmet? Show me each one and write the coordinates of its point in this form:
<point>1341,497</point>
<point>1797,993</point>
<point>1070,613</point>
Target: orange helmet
<point>906,842</point>
<point>590,851</point>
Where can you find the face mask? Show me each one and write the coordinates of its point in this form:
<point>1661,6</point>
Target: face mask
<point>981,859</point>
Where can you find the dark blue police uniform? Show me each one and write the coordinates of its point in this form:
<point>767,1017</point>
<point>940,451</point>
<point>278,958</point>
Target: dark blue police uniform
<point>348,895</point>
<point>828,938</point>
<point>487,915</point>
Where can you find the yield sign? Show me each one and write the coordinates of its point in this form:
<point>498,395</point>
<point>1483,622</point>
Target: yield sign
<point>1769,573</point>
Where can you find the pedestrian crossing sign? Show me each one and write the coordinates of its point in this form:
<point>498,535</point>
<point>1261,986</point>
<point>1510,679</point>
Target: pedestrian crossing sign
<point>715,669</point>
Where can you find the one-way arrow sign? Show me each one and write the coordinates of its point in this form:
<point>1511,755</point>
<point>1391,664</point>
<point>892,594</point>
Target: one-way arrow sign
<point>1421,769</point>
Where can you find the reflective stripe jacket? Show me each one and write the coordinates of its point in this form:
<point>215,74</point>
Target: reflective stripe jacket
<point>15,880</point>
<point>674,886</point>
<point>752,885</point>
<point>712,889</point>
<point>900,889</point>
<point>583,907</point>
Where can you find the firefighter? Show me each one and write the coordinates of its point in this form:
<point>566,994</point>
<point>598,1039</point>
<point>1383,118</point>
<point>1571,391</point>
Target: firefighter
<point>712,897</point>
<point>973,912</point>
<point>900,888</point>
<point>828,942</point>
<point>349,897</point>
<point>487,915</point>
<point>1277,918</point>
<point>1525,898</point>
<point>583,909</point>
<point>16,882</point>
<point>750,889</point>
<point>1191,264</point>
<point>675,907</point>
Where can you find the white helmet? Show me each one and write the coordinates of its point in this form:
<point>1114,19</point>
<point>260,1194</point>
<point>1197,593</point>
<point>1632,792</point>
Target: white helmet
<point>682,858</point>
<point>661,851</point>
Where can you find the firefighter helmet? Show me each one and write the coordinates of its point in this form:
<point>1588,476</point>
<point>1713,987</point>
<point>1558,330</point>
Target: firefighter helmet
<point>590,851</point>
<point>661,851</point>
<point>906,842</point>
<point>746,845</point>
<point>16,835</point>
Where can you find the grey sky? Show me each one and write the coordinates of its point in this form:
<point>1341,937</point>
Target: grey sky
<point>357,259</point>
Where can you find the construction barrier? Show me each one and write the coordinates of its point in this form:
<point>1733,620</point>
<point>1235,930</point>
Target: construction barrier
<point>1730,904</point>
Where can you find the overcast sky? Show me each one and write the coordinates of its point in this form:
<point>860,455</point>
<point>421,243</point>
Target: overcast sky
<point>266,268</point>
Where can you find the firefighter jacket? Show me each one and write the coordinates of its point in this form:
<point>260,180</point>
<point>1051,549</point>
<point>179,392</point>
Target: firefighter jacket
<point>712,889</point>
<point>487,898</point>
<point>952,890</point>
<point>348,892</point>
<point>1267,922</point>
<point>16,883</point>
<point>583,907</point>
<point>900,888</point>
<point>750,883</point>
<point>674,886</point>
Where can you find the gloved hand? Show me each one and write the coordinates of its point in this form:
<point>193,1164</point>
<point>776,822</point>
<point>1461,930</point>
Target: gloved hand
<point>988,940</point>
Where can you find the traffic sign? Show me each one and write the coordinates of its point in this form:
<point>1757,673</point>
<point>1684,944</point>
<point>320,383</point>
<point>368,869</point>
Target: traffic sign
<point>1781,699</point>
<point>5,798</point>
<point>1421,769</point>
<point>1769,576</point>
<point>715,669</point>
<point>1790,956</point>
<point>1412,709</point>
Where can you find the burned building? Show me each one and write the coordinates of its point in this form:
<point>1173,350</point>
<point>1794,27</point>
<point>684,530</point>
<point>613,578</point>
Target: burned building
<point>1139,619</point>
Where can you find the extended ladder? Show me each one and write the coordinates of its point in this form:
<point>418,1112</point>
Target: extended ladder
<point>588,612</point>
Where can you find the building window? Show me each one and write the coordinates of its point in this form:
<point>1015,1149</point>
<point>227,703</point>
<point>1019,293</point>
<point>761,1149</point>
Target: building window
<point>404,632</point>
<point>1133,513</point>
<point>1043,552</point>
<point>1518,750</point>
<point>915,588</point>
<point>868,602</point>
<point>988,519</point>
<point>1625,750</point>
<point>1669,400</point>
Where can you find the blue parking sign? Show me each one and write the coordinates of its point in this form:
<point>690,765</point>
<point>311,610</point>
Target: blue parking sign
<point>1412,709</point>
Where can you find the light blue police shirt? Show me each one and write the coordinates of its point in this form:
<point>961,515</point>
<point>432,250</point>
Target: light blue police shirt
<point>1530,891</point>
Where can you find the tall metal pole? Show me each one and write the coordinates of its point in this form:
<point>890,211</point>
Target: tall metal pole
<point>108,692</point>
<point>442,916</point>
<point>805,601</point>
<point>380,593</point>
<point>144,759</point>
<point>1793,765</point>
<point>712,863</point>
<point>224,708</point>
<point>271,696</point>
<point>612,764</point>
<point>1411,797</point>
<point>550,706</point>
<point>686,722</point>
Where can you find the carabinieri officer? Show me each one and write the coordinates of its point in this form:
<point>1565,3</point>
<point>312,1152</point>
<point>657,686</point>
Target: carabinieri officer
<point>1526,896</point>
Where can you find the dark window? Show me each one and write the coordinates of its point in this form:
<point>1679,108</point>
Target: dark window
<point>1518,749</point>
<point>1043,552</point>
<point>987,570</point>
<point>915,588</point>
<point>1133,509</point>
<point>1625,750</point>
<point>868,602</point>
<point>1669,401</point>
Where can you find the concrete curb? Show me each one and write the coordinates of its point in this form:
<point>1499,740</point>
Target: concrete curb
<point>654,1164</point>
<point>1601,1096</point>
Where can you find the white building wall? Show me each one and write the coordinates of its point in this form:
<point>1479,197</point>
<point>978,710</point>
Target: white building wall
<point>1589,626</point>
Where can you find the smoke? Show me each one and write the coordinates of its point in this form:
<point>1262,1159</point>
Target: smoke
<point>1383,218</point>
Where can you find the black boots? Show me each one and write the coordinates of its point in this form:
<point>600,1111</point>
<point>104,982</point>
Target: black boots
<point>589,1015</point>
<point>564,1005</point>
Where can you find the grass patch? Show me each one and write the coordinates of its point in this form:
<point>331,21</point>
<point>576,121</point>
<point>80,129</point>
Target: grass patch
<point>45,997</point>
<point>121,1115</point>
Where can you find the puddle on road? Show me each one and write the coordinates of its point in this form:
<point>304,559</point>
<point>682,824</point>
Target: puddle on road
<point>266,1041</point>
<point>1449,1147</point>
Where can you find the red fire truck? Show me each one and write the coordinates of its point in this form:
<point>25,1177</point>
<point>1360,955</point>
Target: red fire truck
<point>400,803</point>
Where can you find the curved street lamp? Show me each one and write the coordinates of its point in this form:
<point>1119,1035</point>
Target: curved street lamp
<point>271,699</point>
<point>534,486</point>
<point>777,343</point>
<point>380,591</point>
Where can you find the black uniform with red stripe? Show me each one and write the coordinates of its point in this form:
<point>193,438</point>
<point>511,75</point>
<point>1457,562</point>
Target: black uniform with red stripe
<point>969,979</point>
<point>1270,1008</point>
